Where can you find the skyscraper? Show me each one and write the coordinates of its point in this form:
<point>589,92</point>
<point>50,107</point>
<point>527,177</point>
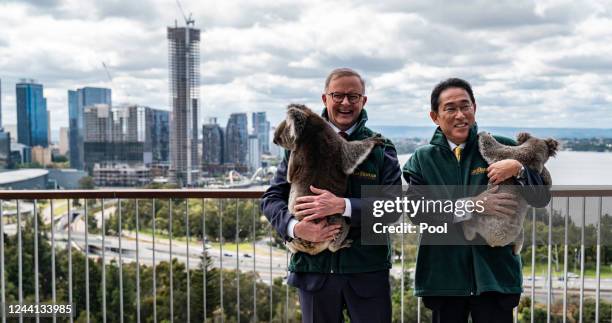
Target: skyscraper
<point>158,132</point>
<point>1,125</point>
<point>63,141</point>
<point>5,149</point>
<point>212,146</point>
<point>254,153</point>
<point>77,101</point>
<point>5,140</point>
<point>133,135</point>
<point>261,128</point>
<point>236,140</point>
<point>184,60</point>
<point>31,114</point>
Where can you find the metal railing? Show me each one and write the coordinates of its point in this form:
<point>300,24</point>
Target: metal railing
<point>140,264</point>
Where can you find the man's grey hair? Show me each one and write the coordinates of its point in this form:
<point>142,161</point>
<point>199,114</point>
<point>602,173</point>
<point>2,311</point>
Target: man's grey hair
<point>344,71</point>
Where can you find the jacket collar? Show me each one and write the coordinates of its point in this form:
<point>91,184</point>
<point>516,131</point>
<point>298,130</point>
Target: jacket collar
<point>439,139</point>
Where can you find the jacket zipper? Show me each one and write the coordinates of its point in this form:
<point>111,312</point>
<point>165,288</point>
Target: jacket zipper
<point>472,288</point>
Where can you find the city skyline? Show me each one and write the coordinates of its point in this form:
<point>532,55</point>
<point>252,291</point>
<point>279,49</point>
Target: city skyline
<point>526,60</point>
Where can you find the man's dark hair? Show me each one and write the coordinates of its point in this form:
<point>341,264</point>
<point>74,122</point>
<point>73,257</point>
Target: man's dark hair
<point>446,84</point>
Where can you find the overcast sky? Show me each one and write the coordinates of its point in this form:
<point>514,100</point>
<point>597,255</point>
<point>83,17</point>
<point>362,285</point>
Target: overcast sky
<point>532,64</point>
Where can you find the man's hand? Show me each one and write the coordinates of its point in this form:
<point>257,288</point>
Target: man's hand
<point>502,170</point>
<point>318,206</point>
<point>315,232</point>
<point>497,203</point>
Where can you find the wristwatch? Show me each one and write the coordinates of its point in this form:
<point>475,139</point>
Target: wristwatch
<point>521,173</point>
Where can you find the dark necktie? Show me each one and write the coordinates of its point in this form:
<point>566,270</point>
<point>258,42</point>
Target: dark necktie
<point>343,135</point>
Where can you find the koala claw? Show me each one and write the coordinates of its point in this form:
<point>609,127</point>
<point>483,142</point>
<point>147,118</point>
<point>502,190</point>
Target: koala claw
<point>345,244</point>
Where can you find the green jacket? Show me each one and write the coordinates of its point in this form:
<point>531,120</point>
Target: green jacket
<point>357,258</point>
<point>459,270</point>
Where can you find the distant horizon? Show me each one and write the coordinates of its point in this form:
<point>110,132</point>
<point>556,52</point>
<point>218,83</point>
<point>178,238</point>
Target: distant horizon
<point>488,126</point>
<point>55,132</point>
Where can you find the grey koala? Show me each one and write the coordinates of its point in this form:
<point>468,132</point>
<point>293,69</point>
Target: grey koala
<point>322,158</point>
<point>532,152</point>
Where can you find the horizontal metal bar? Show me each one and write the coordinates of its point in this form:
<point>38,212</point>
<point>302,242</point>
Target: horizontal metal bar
<point>128,193</point>
<point>581,191</point>
<point>562,191</point>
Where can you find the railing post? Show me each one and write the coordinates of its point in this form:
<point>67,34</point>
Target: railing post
<point>187,264</point>
<point>286,286</point>
<point>20,256</point>
<point>86,260</point>
<point>103,264</point>
<point>549,278</point>
<point>582,259</point>
<point>565,262</point>
<point>221,259</point>
<point>36,295</point>
<point>53,296</point>
<point>138,264</point>
<point>598,261</point>
<point>170,201</point>
<point>271,279</point>
<point>237,238</point>
<point>119,201</point>
<point>70,258</point>
<point>402,280</point>
<point>254,262</point>
<point>204,259</point>
<point>154,266</point>
<point>533,261</point>
<point>2,286</point>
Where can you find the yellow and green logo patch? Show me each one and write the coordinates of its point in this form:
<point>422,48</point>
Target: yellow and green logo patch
<point>479,170</point>
<point>363,174</point>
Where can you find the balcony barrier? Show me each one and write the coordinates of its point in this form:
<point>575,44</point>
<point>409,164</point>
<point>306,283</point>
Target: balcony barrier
<point>209,255</point>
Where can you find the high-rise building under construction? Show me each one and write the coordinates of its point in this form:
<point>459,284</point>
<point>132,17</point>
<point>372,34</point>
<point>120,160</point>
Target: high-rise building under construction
<point>184,68</point>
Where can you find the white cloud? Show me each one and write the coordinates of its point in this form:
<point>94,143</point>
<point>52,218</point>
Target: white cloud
<point>527,61</point>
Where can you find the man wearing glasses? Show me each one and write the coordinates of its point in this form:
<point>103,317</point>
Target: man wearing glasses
<point>355,278</point>
<point>456,279</point>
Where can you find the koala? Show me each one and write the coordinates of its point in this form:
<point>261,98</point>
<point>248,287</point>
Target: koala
<point>322,158</point>
<point>532,152</point>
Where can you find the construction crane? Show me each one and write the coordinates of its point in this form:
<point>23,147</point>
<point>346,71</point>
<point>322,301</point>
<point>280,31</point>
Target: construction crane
<point>188,20</point>
<point>110,79</point>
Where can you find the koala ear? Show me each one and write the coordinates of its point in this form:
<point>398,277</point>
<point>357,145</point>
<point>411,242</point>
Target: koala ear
<point>297,106</point>
<point>553,146</point>
<point>297,115</point>
<point>522,137</point>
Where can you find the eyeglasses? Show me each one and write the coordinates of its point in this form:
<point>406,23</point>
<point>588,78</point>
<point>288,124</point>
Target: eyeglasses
<point>453,109</point>
<point>339,97</point>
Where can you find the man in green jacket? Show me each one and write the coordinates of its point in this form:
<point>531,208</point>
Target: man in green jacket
<point>457,280</point>
<point>354,278</point>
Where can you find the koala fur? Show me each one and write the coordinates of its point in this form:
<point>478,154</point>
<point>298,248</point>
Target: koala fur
<point>322,158</point>
<point>531,152</point>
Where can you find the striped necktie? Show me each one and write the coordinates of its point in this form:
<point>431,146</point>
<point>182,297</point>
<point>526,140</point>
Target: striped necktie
<point>457,152</point>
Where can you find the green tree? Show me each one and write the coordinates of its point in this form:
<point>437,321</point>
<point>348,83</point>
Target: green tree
<point>87,183</point>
